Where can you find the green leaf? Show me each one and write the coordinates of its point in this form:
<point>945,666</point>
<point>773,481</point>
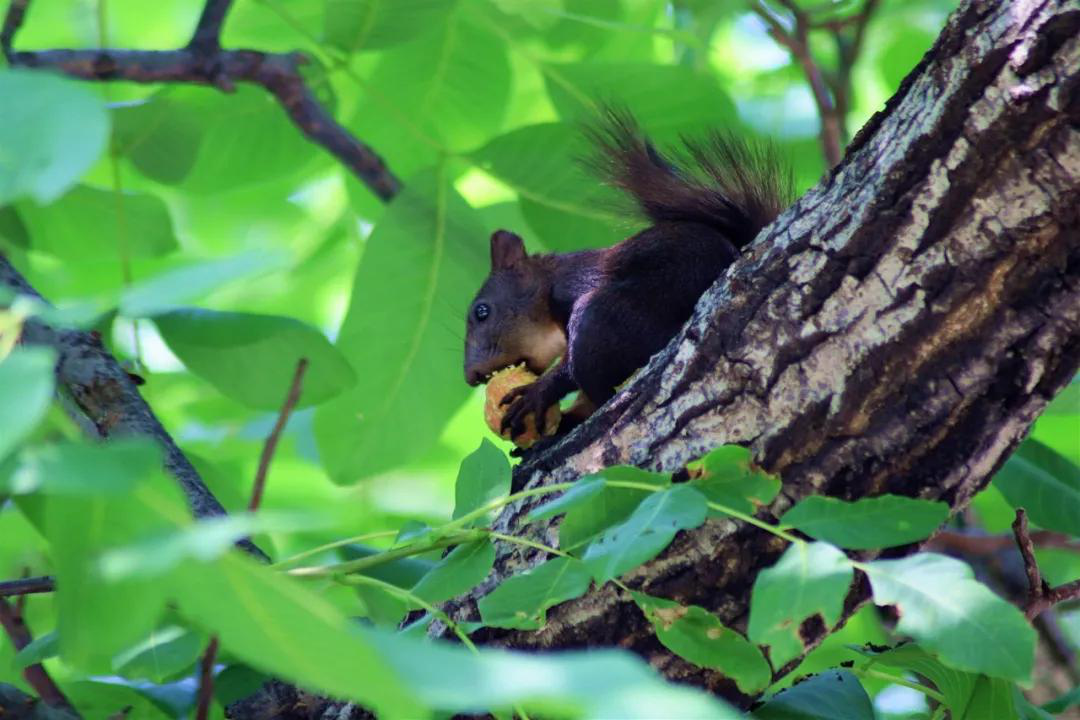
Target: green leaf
<point>421,265</point>
<point>85,223</point>
<point>98,618</point>
<point>730,480</point>
<point>26,385</point>
<point>40,649</point>
<point>589,517</point>
<point>252,358</point>
<point>277,625</point>
<point>166,653</point>
<point>12,228</point>
<point>77,468</point>
<point>646,532</point>
<point>956,686</point>
<point>668,100</point>
<point>484,476</point>
<point>181,286</point>
<point>1064,701</point>
<point>590,684</point>
<point>697,635</point>
<point>204,539</point>
<point>879,522</point>
<point>50,137</point>
<point>447,92</point>
<point>521,601</point>
<point>568,209</point>
<point>465,567</point>
<point>829,695</point>
<point>1045,484</point>
<point>583,490</point>
<point>809,579</point>
<point>160,135</point>
<point>108,699</point>
<point>951,614</point>
<point>353,25</point>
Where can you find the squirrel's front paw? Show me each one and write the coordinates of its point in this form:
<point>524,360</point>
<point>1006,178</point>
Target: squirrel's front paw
<point>526,401</point>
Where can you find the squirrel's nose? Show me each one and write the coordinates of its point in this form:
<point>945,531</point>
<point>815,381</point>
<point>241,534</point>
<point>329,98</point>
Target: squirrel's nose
<point>473,377</point>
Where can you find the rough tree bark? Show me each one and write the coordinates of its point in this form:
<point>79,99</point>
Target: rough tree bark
<point>897,330</point>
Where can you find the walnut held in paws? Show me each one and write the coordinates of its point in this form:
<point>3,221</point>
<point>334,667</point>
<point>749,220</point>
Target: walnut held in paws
<point>503,382</point>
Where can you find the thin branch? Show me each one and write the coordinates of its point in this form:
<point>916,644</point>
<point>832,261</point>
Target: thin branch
<point>206,680</point>
<point>27,586</point>
<point>270,445</point>
<point>12,22</point>
<point>970,545</point>
<point>1040,595</point>
<point>278,73</point>
<point>797,45</point>
<point>207,35</point>
<point>36,676</point>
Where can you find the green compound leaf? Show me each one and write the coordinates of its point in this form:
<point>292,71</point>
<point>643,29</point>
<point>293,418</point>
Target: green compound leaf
<point>49,137</point>
<point>252,358</point>
<point>878,522</point>
<point>521,601</point>
<point>697,635</point>
<point>484,476</point>
<point>954,616</point>
<point>587,517</point>
<point>646,532</point>
<point>730,480</point>
<point>1045,483</point>
<point>810,579</point>
<point>465,567</point>
<point>26,386</point>
<point>830,695</point>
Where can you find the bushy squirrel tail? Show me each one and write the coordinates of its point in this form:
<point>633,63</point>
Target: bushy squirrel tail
<point>720,181</point>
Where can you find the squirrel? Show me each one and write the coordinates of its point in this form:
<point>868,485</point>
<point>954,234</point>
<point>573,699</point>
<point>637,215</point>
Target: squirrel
<point>605,312</point>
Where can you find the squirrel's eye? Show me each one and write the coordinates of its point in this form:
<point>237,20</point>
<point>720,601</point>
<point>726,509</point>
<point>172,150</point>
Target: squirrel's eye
<point>481,311</point>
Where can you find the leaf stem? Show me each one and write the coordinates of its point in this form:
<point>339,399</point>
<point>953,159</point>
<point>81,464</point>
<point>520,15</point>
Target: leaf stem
<point>888,677</point>
<point>280,564</point>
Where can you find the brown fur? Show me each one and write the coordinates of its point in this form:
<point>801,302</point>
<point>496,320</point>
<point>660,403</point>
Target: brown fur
<point>607,311</point>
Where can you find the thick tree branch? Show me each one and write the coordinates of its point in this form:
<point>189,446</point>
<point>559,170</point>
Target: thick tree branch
<point>202,64</point>
<point>35,675</point>
<point>897,330</point>
<point>106,400</point>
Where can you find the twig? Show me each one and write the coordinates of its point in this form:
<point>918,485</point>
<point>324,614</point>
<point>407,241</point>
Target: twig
<point>207,35</point>
<point>206,680</point>
<point>797,45</point>
<point>275,434</point>
<point>27,586</point>
<point>36,675</point>
<point>969,545</point>
<point>278,73</point>
<point>1040,595</point>
<point>12,22</point>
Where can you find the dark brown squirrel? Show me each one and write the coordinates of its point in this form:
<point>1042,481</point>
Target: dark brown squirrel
<point>605,312</point>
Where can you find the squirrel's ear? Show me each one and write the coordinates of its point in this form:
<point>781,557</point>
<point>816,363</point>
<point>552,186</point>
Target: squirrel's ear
<point>507,250</point>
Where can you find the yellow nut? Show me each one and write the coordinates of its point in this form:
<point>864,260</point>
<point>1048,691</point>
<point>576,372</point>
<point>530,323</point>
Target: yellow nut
<point>503,382</point>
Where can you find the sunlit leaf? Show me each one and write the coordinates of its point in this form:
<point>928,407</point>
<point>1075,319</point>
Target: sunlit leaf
<point>402,334</point>
<point>252,358</point>
<point>484,476</point>
<point>49,137</point>
<point>589,516</point>
<point>26,385</point>
<point>354,25</point>
<point>954,616</point>
<point>810,579</point>
<point>728,479</point>
<point>645,534</point>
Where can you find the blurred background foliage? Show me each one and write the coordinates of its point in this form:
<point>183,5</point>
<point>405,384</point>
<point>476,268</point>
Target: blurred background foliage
<point>215,201</point>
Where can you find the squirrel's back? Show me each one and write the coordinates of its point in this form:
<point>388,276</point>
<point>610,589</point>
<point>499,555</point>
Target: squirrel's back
<point>721,181</point>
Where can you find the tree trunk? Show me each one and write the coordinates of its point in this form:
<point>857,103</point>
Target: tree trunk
<point>896,331</point>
